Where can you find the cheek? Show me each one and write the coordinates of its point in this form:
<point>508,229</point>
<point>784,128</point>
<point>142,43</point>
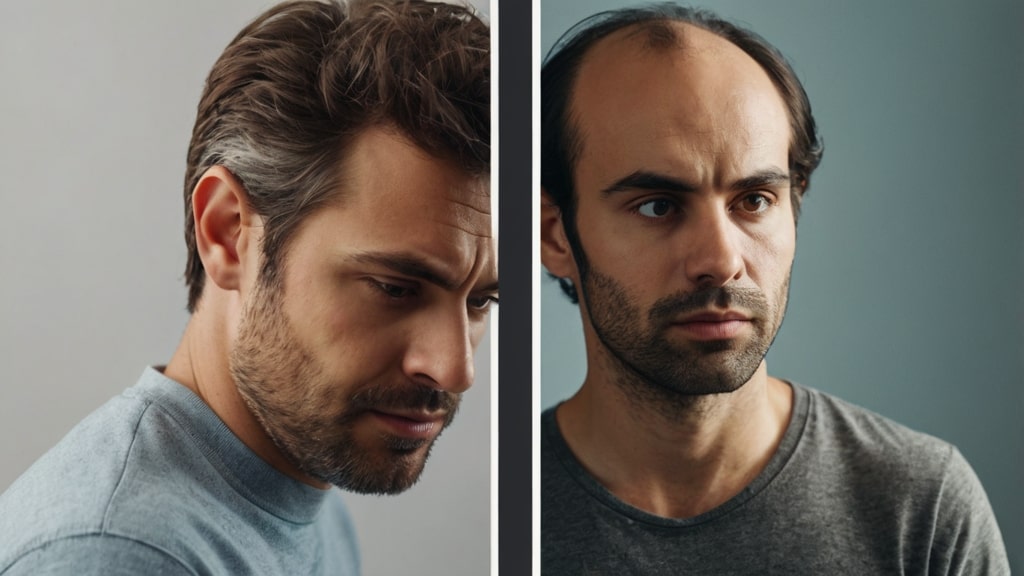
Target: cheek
<point>604,234</point>
<point>615,248</point>
<point>771,256</point>
<point>342,333</point>
<point>353,339</point>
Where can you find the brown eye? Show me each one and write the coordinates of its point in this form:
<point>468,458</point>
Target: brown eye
<point>655,208</point>
<point>755,203</point>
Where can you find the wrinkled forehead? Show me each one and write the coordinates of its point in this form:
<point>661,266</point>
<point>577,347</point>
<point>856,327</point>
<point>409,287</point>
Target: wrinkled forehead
<point>464,204</point>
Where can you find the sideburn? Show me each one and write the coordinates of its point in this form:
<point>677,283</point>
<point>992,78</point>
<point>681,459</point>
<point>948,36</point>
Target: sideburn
<point>582,263</point>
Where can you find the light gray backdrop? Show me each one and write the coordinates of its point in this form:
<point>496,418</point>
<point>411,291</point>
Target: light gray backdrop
<point>97,102</point>
<point>907,291</point>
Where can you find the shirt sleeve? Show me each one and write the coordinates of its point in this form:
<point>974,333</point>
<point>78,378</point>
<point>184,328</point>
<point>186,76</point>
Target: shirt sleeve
<point>97,554</point>
<point>967,539</point>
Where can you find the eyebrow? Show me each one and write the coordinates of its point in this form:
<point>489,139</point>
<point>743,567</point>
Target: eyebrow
<point>411,265</point>
<point>646,180</point>
<point>761,179</point>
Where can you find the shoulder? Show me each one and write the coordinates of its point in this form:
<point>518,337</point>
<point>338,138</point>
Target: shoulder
<point>873,440</point>
<point>117,480</point>
<point>95,554</point>
<point>555,454</point>
<point>561,475</point>
<point>68,489</point>
<point>870,452</point>
<point>921,484</point>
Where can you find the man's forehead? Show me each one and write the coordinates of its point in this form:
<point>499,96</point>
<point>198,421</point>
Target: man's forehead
<point>694,79</point>
<point>384,157</point>
<point>614,61</point>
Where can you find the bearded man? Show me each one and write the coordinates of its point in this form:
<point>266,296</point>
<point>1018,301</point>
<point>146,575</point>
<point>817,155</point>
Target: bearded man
<point>340,271</point>
<point>676,150</point>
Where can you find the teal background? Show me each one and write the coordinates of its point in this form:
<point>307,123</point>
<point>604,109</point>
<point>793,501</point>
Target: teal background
<point>906,293</point>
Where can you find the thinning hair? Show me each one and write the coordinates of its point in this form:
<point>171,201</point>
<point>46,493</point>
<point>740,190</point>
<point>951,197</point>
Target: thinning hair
<point>298,84</point>
<point>561,142</point>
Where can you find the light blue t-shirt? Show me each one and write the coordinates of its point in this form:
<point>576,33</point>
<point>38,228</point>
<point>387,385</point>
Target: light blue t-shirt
<point>153,482</point>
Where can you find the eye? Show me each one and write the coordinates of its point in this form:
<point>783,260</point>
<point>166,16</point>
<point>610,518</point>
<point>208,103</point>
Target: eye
<point>482,303</point>
<point>393,291</point>
<point>657,208</point>
<point>756,203</point>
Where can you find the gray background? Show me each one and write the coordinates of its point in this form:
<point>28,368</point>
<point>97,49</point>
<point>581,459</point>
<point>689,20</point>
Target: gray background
<point>97,102</point>
<point>906,292</point>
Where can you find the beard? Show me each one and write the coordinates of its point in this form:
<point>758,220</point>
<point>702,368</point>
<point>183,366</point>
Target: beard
<point>668,374</point>
<point>312,419</point>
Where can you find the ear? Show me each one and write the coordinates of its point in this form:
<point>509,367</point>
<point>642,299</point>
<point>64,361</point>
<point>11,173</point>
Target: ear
<point>555,252</point>
<point>224,233</point>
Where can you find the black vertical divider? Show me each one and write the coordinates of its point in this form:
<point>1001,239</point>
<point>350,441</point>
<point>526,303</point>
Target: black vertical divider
<point>515,189</point>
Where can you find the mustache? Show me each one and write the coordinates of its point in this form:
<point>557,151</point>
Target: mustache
<point>404,397</point>
<point>666,310</point>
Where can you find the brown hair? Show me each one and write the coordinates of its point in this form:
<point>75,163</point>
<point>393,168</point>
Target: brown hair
<point>301,81</point>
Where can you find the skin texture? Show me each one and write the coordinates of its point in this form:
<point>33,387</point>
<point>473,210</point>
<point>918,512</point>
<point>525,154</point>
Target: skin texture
<point>345,372</point>
<point>683,209</point>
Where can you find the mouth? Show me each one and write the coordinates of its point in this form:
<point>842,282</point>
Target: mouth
<point>723,325</point>
<point>411,423</point>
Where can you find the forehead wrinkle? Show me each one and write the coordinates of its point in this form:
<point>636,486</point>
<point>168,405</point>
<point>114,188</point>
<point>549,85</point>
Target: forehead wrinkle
<point>467,205</point>
<point>464,230</point>
<point>465,215</point>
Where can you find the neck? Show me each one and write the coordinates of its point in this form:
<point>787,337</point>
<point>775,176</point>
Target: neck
<point>201,363</point>
<point>681,461</point>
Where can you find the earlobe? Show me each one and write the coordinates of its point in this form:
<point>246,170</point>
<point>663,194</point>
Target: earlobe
<point>555,252</point>
<point>222,215</point>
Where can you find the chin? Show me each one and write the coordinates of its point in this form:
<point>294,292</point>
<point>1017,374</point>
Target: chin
<point>389,470</point>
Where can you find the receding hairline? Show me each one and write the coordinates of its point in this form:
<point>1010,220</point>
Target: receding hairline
<point>659,37</point>
<point>346,154</point>
<point>342,188</point>
<point>648,37</point>
<point>655,35</point>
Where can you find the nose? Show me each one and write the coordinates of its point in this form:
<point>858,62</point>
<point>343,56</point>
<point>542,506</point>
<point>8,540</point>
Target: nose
<point>440,353</point>
<point>714,257</point>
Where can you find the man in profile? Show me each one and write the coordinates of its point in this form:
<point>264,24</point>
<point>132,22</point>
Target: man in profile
<point>676,151</point>
<point>340,271</point>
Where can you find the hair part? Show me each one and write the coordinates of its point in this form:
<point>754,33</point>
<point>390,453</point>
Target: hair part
<point>561,141</point>
<point>296,86</point>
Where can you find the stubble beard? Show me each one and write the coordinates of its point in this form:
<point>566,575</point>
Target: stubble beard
<point>311,421</point>
<point>672,378</point>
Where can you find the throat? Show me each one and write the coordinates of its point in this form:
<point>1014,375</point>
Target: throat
<point>681,460</point>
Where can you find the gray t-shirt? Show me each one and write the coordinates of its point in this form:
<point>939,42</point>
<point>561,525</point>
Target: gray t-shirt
<point>847,492</point>
<point>153,482</point>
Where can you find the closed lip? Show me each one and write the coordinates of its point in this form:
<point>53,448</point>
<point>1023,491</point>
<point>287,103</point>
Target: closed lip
<point>726,316</point>
<point>415,415</point>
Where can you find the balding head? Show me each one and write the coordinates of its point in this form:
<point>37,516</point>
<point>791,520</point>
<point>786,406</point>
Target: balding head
<point>674,82</point>
<point>660,29</point>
